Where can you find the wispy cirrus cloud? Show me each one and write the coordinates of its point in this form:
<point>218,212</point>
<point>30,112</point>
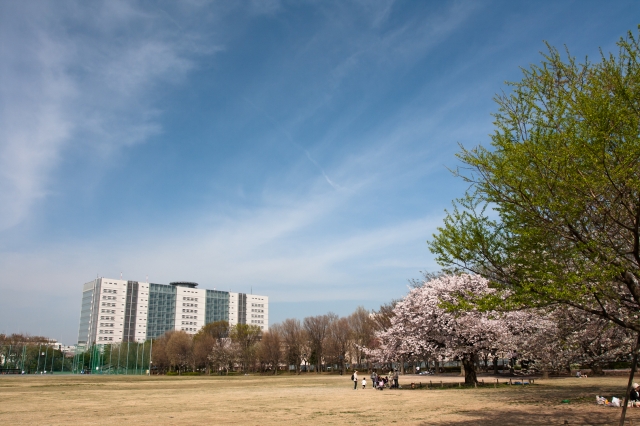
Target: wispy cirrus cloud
<point>78,75</point>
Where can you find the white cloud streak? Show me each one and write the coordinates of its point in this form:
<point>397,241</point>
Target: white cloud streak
<point>70,78</point>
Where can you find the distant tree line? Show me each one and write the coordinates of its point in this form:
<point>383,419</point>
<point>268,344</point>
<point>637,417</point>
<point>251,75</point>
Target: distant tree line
<point>31,354</point>
<point>316,344</point>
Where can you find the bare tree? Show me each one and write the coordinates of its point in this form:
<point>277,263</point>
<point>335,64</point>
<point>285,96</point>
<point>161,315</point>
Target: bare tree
<point>339,341</point>
<point>382,317</point>
<point>15,339</point>
<point>270,349</point>
<point>221,354</point>
<point>202,347</point>
<point>294,338</point>
<point>160,358</point>
<point>316,328</point>
<point>180,350</point>
<point>363,328</point>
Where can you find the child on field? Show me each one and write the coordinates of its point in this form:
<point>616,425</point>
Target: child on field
<point>364,383</point>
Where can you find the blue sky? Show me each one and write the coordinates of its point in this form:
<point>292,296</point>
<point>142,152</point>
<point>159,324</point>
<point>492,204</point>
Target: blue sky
<point>297,149</point>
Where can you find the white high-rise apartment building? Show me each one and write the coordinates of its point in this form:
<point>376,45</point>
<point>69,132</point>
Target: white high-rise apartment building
<point>249,309</point>
<point>130,311</point>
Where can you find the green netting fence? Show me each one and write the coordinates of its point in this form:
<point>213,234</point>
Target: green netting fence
<point>117,358</point>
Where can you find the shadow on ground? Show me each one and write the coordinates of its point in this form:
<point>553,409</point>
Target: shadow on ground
<point>557,417</point>
<point>542,405</point>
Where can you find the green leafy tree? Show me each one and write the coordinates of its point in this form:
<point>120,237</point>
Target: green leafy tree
<point>553,213</point>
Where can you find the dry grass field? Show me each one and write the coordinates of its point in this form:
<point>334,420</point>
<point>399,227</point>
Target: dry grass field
<point>303,400</point>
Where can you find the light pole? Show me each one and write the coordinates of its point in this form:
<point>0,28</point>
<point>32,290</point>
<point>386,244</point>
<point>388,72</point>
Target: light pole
<point>38,366</point>
<point>150,353</point>
<point>126,371</point>
<point>46,352</point>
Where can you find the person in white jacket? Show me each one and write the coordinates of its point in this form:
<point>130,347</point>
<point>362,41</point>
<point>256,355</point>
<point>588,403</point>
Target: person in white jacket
<point>355,380</point>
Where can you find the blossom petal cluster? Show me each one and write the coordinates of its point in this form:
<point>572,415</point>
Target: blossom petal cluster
<point>423,326</point>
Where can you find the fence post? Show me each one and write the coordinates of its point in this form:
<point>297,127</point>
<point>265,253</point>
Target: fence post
<point>119,350</point>
<point>46,353</point>
<point>151,353</point>
<point>23,356</point>
<point>135,368</point>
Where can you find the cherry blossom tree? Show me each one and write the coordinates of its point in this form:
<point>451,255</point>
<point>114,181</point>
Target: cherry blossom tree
<point>425,325</point>
<point>557,338</point>
<point>422,326</point>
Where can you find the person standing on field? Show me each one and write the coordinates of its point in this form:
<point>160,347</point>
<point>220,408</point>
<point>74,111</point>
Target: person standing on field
<point>374,379</point>
<point>355,380</point>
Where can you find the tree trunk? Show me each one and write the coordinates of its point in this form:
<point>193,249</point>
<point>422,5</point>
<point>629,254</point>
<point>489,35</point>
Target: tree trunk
<point>545,373</point>
<point>470,377</point>
<point>495,365</point>
<point>634,365</point>
<point>597,370</point>
<point>462,374</point>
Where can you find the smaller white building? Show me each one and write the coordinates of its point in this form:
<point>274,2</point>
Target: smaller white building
<point>258,311</point>
<point>190,309</point>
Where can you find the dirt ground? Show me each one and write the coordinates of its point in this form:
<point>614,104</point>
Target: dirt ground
<point>304,400</point>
